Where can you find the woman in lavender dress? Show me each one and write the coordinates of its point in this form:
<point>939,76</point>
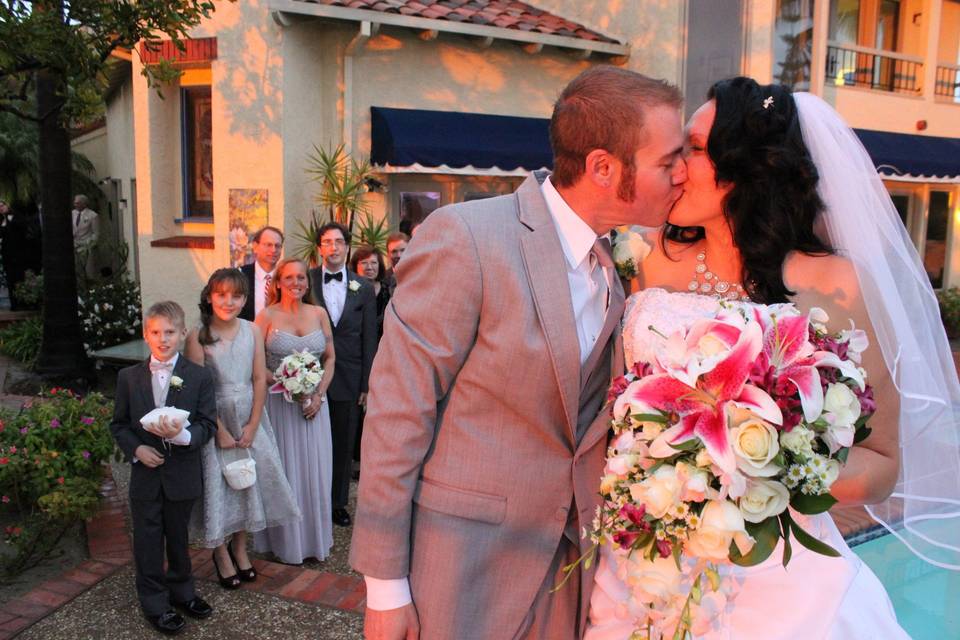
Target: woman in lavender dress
<point>290,323</point>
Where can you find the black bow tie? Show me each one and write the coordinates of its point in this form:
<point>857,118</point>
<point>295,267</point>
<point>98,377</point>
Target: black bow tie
<point>327,277</point>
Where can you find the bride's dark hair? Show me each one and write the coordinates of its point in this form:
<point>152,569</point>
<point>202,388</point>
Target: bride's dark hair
<point>755,144</point>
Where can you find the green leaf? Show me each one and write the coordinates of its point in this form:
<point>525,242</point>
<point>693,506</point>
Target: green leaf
<point>842,455</point>
<point>689,445</point>
<point>812,543</point>
<point>785,521</point>
<point>812,505</point>
<point>649,417</point>
<point>861,433</point>
<point>766,534</point>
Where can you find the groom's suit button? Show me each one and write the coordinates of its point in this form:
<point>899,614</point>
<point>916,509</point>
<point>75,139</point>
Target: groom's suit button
<point>561,514</point>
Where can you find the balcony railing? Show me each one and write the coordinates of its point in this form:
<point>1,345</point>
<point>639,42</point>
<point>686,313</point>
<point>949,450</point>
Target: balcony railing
<point>948,81</point>
<point>853,66</point>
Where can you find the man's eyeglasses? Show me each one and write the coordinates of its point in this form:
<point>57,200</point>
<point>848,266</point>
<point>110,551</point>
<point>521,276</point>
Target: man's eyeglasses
<point>339,242</point>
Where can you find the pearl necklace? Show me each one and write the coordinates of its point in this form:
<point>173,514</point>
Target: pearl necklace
<point>707,282</point>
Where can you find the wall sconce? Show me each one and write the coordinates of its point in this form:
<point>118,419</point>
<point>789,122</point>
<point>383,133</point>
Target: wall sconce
<point>921,125</point>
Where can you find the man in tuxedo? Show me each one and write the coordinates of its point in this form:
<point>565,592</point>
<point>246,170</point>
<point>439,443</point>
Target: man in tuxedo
<point>351,303</point>
<point>267,249</point>
<point>484,439</point>
<point>396,245</point>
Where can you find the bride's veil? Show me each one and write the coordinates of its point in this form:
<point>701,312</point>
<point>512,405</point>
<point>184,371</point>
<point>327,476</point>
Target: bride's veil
<point>863,225</point>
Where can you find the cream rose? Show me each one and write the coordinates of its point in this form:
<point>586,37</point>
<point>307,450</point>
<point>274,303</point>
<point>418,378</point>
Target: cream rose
<point>622,464</point>
<point>695,482</point>
<point>755,444</point>
<point>833,472</point>
<point>649,581</point>
<point>720,524</point>
<point>763,498</point>
<point>659,492</point>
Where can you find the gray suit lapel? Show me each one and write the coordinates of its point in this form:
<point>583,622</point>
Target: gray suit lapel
<point>542,253</point>
<point>610,324</point>
<point>144,383</point>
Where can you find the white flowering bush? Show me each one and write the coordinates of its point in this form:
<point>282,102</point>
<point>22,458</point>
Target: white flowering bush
<point>110,313</point>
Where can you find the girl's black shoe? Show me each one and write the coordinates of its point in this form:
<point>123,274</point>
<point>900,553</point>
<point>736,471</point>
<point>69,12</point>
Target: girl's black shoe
<point>247,575</point>
<point>233,582</point>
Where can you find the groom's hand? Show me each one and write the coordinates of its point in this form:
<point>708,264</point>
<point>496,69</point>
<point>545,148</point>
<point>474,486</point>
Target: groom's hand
<point>392,624</point>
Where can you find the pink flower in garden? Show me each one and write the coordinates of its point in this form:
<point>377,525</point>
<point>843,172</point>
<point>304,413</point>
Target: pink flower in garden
<point>86,455</point>
<point>86,420</point>
<point>13,449</point>
<point>5,499</point>
<point>54,424</point>
<point>60,480</point>
<point>4,460</point>
<point>24,430</point>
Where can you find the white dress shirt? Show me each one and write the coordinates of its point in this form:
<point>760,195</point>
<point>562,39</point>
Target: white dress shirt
<point>334,293</point>
<point>260,276</point>
<point>162,377</point>
<point>589,289</point>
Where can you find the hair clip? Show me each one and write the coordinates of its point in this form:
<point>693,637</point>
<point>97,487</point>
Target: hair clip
<point>768,102</point>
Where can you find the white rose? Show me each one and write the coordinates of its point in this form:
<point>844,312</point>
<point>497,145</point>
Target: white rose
<point>312,378</point>
<point>703,459</point>
<point>839,436</point>
<point>607,484</point>
<point>695,482</point>
<point>755,444</point>
<point>764,498</point>
<point>658,492</point>
<point>293,385</point>
<point>649,581</point>
<point>842,404</point>
<point>630,246</point>
<point>623,443</point>
<point>798,440</point>
<point>622,464</point>
<point>720,524</point>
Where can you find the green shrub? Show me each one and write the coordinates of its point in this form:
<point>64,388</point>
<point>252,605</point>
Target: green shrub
<point>21,340</point>
<point>950,310</point>
<point>51,463</point>
<point>30,291</point>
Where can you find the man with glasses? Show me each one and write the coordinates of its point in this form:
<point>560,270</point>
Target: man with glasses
<point>351,303</point>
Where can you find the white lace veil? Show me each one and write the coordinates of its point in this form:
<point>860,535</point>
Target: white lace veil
<point>862,224</point>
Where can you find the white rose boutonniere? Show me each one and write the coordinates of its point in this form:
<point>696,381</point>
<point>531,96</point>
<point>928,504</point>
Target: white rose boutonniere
<point>176,382</point>
<point>629,250</point>
<point>354,286</point>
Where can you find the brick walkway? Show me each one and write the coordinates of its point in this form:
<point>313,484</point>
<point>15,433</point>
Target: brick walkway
<point>110,549</point>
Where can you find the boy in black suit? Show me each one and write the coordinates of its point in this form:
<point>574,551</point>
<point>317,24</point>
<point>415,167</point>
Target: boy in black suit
<point>166,477</point>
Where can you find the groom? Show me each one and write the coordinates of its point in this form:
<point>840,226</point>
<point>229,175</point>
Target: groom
<point>482,446</point>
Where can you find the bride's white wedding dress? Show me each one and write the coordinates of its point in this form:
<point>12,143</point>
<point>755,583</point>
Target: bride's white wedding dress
<point>814,597</point>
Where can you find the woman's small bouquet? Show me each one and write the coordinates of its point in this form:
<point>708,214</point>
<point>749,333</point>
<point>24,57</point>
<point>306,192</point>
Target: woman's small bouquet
<point>297,377</point>
<point>738,417</point>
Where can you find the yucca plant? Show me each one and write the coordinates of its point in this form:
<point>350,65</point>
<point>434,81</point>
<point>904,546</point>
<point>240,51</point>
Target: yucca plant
<point>306,237</point>
<point>343,182</point>
<point>371,232</point>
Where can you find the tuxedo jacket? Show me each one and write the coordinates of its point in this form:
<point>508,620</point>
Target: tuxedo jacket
<point>180,475</point>
<point>354,336</point>
<point>249,272</point>
<point>477,439</point>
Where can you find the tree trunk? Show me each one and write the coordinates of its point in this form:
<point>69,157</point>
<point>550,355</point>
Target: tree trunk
<point>62,355</point>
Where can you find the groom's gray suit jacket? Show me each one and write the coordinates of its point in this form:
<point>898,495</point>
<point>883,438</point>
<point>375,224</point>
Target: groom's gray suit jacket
<point>482,428</point>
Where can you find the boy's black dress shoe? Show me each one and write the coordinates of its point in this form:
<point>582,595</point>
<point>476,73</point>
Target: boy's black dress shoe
<point>196,608</point>
<point>170,622</point>
<point>341,517</point>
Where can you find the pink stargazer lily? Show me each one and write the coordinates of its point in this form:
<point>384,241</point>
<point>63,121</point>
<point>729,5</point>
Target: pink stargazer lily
<point>789,351</point>
<point>702,407</point>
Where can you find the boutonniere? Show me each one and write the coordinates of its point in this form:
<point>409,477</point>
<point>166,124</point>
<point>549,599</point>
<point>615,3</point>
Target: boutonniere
<point>176,383</point>
<point>354,286</point>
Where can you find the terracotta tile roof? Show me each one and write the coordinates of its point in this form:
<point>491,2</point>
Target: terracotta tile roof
<point>506,14</point>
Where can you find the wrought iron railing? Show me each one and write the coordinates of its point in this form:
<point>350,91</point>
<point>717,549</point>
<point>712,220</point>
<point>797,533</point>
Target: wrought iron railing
<point>854,66</point>
<point>948,81</point>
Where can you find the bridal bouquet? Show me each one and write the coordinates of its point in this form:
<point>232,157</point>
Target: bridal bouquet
<point>737,417</point>
<point>297,376</point>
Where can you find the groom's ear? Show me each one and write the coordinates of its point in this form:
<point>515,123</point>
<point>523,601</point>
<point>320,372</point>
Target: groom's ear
<point>601,168</point>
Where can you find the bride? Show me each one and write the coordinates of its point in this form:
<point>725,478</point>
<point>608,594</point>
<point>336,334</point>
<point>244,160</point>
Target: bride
<point>783,204</point>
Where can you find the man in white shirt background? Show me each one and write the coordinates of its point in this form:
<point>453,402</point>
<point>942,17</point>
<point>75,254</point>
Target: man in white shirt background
<point>351,303</point>
<point>86,232</point>
<point>267,248</point>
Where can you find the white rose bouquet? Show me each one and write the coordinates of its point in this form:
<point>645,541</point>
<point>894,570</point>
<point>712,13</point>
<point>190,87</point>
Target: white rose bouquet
<point>297,377</point>
<point>739,417</point>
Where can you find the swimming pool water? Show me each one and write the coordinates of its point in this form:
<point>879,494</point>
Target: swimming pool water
<point>926,598</point>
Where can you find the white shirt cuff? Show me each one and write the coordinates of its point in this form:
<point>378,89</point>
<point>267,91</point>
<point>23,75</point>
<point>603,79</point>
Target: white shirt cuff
<point>183,438</point>
<point>383,595</point>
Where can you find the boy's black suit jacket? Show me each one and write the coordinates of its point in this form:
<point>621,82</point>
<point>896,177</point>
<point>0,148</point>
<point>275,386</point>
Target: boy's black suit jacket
<point>180,475</point>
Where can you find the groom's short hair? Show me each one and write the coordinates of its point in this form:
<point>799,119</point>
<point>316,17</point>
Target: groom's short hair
<point>603,108</point>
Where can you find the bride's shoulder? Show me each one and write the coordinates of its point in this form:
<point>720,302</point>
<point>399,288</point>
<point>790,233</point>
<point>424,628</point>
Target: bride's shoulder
<point>829,271</point>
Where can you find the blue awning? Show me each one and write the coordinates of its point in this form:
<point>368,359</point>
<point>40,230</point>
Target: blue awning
<point>909,156</point>
<point>431,139</point>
